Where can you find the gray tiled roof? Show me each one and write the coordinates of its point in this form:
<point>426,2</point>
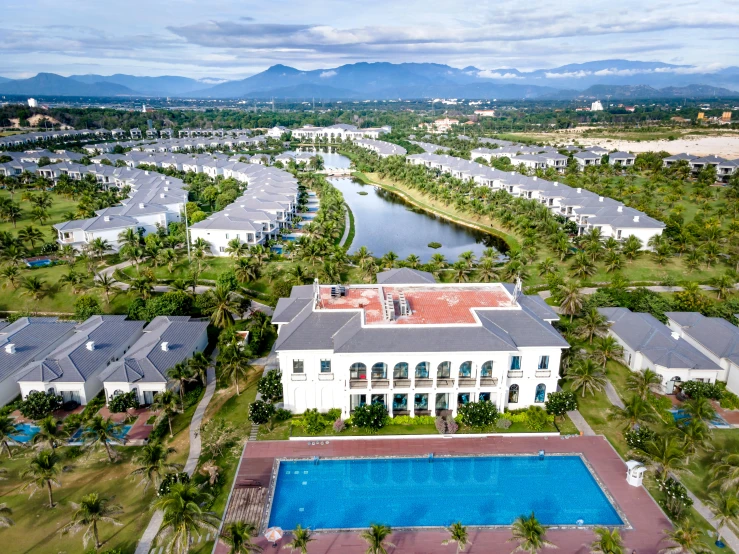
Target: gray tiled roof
<point>31,336</point>
<point>404,276</point>
<point>714,333</point>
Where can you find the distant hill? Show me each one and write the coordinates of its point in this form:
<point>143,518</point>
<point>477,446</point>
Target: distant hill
<point>644,92</point>
<point>4,79</point>
<point>50,84</point>
<point>166,85</point>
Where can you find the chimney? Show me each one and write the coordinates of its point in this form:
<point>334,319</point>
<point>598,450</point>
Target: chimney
<point>161,195</point>
<point>166,189</point>
<point>534,177</point>
<point>141,205</point>
<point>675,335</point>
<point>106,218</point>
<point>636,219</point>
<point>90,345</point>
<point>10,348</point>
<point>600,199</point>
<point>620,209</point>
<point>165,347</point>
<point>579,190</point>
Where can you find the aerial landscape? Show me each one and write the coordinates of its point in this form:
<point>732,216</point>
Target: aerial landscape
<point>423,278</point>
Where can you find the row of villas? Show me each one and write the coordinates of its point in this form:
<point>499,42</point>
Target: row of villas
<point>724,168</point>
<point>78,360</point>
<point>180,145</point>
<point>340,131</point>
<point>415,346</point>
<point>587,209</point>
<point>52,136</point>
<point>381,148</point>
<point>544,157</point>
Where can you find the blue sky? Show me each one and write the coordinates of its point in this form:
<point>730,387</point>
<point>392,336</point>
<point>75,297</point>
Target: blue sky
<point>230,39</point>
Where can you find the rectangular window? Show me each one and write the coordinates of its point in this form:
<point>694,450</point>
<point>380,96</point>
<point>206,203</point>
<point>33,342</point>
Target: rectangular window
<point>515,363</point>
<point>221,249</point>
<point>325,366</point>
<point>544,362</point>
<point>297,366</point>
<point>226,235</point>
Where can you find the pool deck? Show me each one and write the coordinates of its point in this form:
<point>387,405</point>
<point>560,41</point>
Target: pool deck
<point>641,511</point>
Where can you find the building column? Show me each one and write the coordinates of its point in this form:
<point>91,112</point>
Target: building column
<point>412,403</point>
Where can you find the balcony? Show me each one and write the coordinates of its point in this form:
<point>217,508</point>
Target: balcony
<point>515,373</point>
<point>467,381</point>
<point>489,381</point>
<point>543,372</point>
<point>380,383</point>
<point>357,383</point>
<point>444,382</point>
<point>402,383</point>
<point>298,377</point>
<point>424,382</point>
<point>325,376</point>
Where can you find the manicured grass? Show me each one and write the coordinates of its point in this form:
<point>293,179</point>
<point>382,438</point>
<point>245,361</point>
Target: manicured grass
<point>59,207</point>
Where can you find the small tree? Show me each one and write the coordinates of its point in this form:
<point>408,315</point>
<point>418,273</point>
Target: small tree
<point>260,412</point>
<point>122,402</point>
<point>536,418</point>
<point>93,509</point>
<point>560,402</point>
<point>458,535</point>
<point>86,307</point>
<point>478,414</point>
<point>38,405</point>
<point>270,385</point>
<point>370,416</point>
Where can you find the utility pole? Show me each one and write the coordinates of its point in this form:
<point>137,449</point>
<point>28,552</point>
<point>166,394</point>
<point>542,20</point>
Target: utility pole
<point>187,232</point>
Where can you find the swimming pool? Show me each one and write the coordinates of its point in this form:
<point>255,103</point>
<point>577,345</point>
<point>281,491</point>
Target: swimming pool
<point>680,414</point>
<point>26,432</point>
<point>38,263</point>
<point>423,492</point>
<point>76,438</point>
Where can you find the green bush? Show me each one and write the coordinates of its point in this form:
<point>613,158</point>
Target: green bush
<point>560,402</point>
<point>478,414</point>
<point>270,385</point>
<point>38,405</point>
<point>313,422</point>
<point>260,412</point>
<point>170,479</point>
<point>698,389</point>
<point>370,416</point>
<point>86,307</point>
<point>536,418</point>
<point>638,438</point>
<point>333,414</point>
<point>123,402</point>
<point>408,420</point>
<point>282,415</point>
<point>192,396</point>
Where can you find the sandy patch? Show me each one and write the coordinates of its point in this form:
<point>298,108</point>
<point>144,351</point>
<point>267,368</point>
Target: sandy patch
<point>726,146</point>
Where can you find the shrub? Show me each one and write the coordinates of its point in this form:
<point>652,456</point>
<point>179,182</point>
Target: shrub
<point>661,404</point>
<point>174,302</point>
<point>270,385</point>
<point>313,422</point>
<point>170,479</point>
<point>446,426</point>
<point>560,402</point>
<point>333,414</point>
<point>478,414</point>
<point>192,397</point>
<point>434,245</point>
<point>638,438</point>
<point>729,401</point>
<point>536,418</point>
<point>38,405</point>
<point>260,412</point>
<point>370,416</point>
<point>339,426</point>
<point>675,498</point>
<point>123,402</point>
<point>282,415</point>
<point>228,281</point>
<point>698,389</point>
<point>408,420</point>
<point>86,307</point>
<point>503,423</point>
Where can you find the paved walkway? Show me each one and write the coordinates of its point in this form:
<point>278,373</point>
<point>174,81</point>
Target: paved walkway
<point>150,533</point>
<point>582,425</point>
<point>347,226</point>
<point>613,395</point>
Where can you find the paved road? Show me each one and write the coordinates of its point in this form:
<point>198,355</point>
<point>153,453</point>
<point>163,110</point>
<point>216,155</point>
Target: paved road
<point>582,425</point>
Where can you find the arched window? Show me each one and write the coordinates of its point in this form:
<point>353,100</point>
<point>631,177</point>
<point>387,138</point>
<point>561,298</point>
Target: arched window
<point>422,370</point>
<point>51,391</point>
<point>33,391</point>
<point>513,394</point>
<point>465,369</point>
<point>379,370</point>
<point>117,392</point>
<point>541,393</point>
<point>400,371</point>
<point>358,371</point>
<point>443,370</point>
<point>487,369</point>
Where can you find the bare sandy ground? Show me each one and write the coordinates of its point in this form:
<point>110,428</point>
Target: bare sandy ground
<point>726,146</point>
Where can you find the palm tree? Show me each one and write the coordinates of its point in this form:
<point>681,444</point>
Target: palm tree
<point>362,256</point>
<point>608,542</point>
<point>687,539</point>
<point>42,471</point>
<point>238,535</point>
<point>694,436</point>
<point>591,324</point>
<point>301,538</point>
<point>11,275</point>
<point>571,303</point>
<point>700,409</point>
<point>234,365</point>
<point>153,464</point>
<point>73,279</point>
<point>5,513</point>
<point>375,537</point>
<point>33,287</point>
<point>725,508</point>
<point>180,373</point>
<point>99,246</point>
<point>183,517</point>
<point>199,365</point>
<point>167,402</point>
<point>641,382</point>
<point>635,411</point>
<point>585,374</point>
<point>608,348</point>
<point>101,431</point>
<point>49,433</point>
<point>142,286</point>
<point>529,534</point>
<point>31,235</point>
<point>666,452</point>
<point>106,284</point>
<point>461,272</point>
<point>237,249</point>
<point>7,430</point>
<point>224,307</point>
<point>458,535</point>
<point>92,510</point>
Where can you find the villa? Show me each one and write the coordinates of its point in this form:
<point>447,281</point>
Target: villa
<point>340,131</point>
<point>415,346</point>
<point>648,343</point>
<point>73,369</point>
<point>166,341</point>
<point>624,159</point>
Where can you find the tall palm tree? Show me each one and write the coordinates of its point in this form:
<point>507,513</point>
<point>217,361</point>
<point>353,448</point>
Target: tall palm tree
<point>376,538</point>
<point>224,307</point>
<point>694,435</point>
<point>180,373</point>
<point>101,431</point>
<point>167,402</point>
<point>593,323</point>
<point>42,472</point>
<point>458,535</point>
<point>686,539</point>
<point>571,303</point>
<point>587,376</point>
<point>33,287</point>
<point>49,433</point>
<point>608,348</point>
<point>608,541</point>
<point>5,513</point>
<point>301,538</point>
<point>237,535</point>
<point>184,517</point>
<point>92,510</point>
<point>641,382</point>
<point>106,284</point>
<point>7,430</point>
<point>700,409</point>
<point>529,534</point>
<point>153,465</point>
<point>234,365</point>
<point>666,453</point>
<point>635,412</point>
<point>725,508</point>
<point>199,364</point>
<point>11,276</point>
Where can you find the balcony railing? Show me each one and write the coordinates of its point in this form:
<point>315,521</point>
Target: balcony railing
<point>380,383</point>
<point>424,382</point>
<point>467,381</point>
<point>298,377</point>
<point>444,382</point>
<point>515,373</point>
<point>543,372</point>
<point>357,383</point>
<point>325,376</point>
<point>489,381</point>
<point>402,383</point>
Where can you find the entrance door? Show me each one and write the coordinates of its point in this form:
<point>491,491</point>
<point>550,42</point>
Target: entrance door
<point>71,396</point>
<point>148,397</point>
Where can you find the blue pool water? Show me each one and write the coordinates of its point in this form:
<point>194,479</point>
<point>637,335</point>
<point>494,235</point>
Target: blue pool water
<point>416,492</point>
<point>38,263</point>
<point>679,415</point>
<point>26,432</point>
<point>120,435</point>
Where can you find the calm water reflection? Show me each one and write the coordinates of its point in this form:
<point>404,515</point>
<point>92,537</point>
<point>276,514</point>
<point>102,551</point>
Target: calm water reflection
<point>384,221</point>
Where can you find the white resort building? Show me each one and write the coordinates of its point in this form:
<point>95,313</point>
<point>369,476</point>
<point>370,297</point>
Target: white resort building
<point>416,346</point>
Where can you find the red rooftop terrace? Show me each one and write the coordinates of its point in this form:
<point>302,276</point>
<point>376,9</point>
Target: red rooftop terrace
<point>646,520</point>
<point>425,304</point>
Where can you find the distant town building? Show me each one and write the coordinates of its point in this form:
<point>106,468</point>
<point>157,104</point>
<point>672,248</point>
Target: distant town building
<point>596,106</point>
<point>726,117</point>
<point>32,103</point>
<point>485,113</point>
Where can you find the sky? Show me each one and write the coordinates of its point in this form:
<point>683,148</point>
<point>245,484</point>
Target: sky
<point>227,39</point>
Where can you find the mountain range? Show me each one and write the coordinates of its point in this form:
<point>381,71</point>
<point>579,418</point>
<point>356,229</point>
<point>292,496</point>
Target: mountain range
<point>385,81</point>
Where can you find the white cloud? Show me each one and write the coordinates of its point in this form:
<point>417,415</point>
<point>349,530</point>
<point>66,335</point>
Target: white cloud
<point>567,74</point>
<point>488,74</point>
<point>328,74</point>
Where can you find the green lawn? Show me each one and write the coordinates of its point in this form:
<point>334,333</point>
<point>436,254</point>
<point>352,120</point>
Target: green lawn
<point>59,207</point>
